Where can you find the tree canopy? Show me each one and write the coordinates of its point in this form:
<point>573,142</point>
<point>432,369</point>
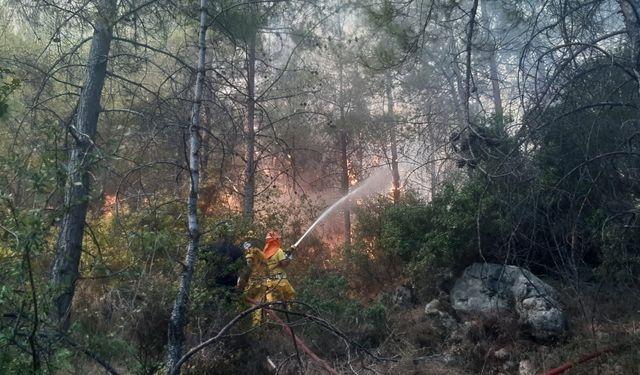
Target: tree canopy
<point>138,138</point>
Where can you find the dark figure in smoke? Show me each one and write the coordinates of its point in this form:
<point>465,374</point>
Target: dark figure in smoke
<point>224,260</point>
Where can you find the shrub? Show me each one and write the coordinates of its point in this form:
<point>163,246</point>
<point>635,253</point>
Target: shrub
<point>326,292</point>
<point>416,239</point>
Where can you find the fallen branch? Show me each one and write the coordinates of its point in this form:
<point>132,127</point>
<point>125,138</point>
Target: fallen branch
<point>271,311</point>
<point>329,327</point>
<point>221,333</point>
<point>91,355</point>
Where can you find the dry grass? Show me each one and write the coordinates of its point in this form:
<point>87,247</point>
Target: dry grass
<point>600,318</point>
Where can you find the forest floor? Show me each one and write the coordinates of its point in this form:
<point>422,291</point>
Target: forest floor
<point>602,320</point>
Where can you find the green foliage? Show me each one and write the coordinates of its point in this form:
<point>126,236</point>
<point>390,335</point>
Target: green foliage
<point>7,86</point>
<point>28,185</point>
<point>400,38</point>
<point>587,167</point>
<point>486,145</point>
<point>130,241</point>
<point>560,191</point>
<point>326,292</point>
<point>464,225</point>
<point>419,240</point>
<point>241,23</point>
<point>25,234</point>
<point>573,199</point>
<point>107,346</point>
<point>12,360</point>
<point>566,199</point>
<point>401,227</point>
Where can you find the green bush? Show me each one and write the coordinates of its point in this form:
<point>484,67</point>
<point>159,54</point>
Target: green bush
<point>417,239</point>
<point>327,292</point>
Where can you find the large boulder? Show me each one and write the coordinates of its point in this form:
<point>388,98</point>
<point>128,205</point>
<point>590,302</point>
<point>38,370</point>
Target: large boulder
<point>495,289</point>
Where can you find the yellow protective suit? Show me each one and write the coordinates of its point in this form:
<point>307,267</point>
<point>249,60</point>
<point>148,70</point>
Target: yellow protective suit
<point>257,281</point>
<point>267,280</point>
<point>278,286</point>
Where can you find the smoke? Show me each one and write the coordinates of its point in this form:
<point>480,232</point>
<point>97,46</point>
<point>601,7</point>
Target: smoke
<point>378,181</point>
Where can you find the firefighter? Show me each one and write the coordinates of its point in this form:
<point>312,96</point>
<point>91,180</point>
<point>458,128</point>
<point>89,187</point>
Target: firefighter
<point>277,285</point>
<point>254,282</point>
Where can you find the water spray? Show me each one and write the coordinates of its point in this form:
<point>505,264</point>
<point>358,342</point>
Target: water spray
<point>371,185</point>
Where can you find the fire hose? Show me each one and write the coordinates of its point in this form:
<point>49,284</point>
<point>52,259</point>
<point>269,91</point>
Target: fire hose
<point>288,331</point>
<point>587,357</point>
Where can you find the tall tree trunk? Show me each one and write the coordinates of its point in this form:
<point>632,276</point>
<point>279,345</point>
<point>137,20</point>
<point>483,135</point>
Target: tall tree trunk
<point>250,132</point>
<point>292,163</point>
<point>456,84</point>
<point>631,13</point>
<point>64,271</point>
<point>434,169</point>
<point>469,87</point>
<point>344,154</point>
<point>395,171</point>
<point>493,66</point>
<point>455,92</point>
<point>434,180</point>
<point>495,86</point>
<point>344,179</point>
<point>206,140</point>
<point>179,313</point>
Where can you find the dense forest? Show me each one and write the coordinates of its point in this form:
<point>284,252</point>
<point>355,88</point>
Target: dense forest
<point>163,162</point>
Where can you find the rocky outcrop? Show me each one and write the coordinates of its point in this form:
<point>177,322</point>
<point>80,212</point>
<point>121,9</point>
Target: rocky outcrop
<point>494,289</point>
<point>434,310</point>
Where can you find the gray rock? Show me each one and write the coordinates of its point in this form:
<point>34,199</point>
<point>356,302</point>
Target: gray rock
<point>402,296</point>
<point>482,289</point>
<point>434,310</point>
<point>494,289</point>
<point>501,354</point>
<point>510,366</point>
<point>433,307</point>
<point>526,367</point>
<point>542,317</point>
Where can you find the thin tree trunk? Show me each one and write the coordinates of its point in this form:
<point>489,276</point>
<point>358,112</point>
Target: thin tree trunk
<point>395,171</point>
<point>468,79</point>
<point>434,176</point>
<point>344,180</point>
<point>434,180</point>
<point>178,318</point>
<point>631,14</point>
<point>250,133</point>
<point>495,86</point>
<point>456,83</point>
<point>462,97</point>
<point>493,67</point>
<point>469,86</point>
<point>206,140</point>
<point>344,155</point>
<point>65,269</point>
<point>455,92</point>
<point>292,161</point>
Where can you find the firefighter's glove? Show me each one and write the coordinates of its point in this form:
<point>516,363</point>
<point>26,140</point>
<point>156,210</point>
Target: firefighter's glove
<point>289,252</point>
